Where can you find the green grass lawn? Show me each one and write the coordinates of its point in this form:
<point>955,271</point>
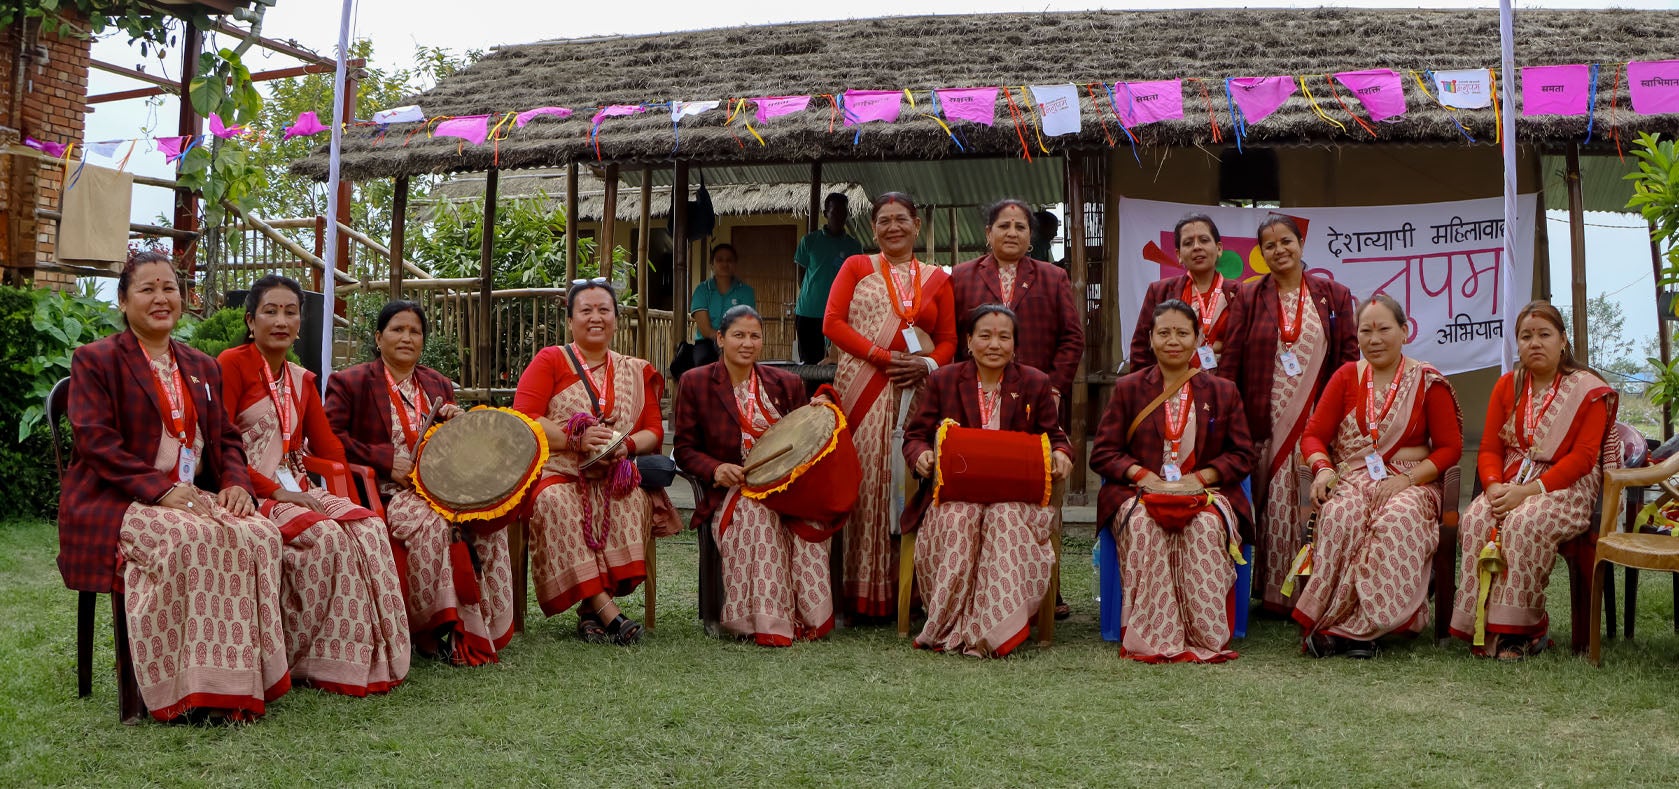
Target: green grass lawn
<point>862,708</point>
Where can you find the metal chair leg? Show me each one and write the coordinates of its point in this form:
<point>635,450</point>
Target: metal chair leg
<point>84,643</point>
<point>131,708</point>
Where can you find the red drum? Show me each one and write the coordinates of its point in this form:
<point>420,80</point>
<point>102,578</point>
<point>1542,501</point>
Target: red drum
<point>475,469</point>
<point>805,466</point>
<point>990,466</point>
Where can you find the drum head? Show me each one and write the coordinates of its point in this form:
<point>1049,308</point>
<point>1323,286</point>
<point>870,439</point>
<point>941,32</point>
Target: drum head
<point>477,459</point>
<point>789,443</point>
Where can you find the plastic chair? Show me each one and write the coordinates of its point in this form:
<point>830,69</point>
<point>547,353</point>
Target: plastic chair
<point>1631,549</point>
<point>1112,590</point>
<point>130,707</point>
<point>1640,452</point>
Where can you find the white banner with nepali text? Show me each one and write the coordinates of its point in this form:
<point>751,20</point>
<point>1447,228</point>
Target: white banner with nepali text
<point>1443,261</point>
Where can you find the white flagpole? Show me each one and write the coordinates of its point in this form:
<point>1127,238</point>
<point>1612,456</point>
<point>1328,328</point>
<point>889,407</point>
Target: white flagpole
<point>330,253</point>
<point>1511,299</point>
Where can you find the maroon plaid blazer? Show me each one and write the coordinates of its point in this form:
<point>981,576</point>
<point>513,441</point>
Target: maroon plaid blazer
<point>116,421</point>
<point>1222,442</point>
<point>952,392</point>
<point>358,404</point>
<point>708,427</point>
<point>1142,354</point>
<point>1250,350</point>
<point>1051,332</point>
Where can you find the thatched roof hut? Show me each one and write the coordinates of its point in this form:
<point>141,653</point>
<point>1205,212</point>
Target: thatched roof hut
<point>922,53</point>
<point>727,199</point>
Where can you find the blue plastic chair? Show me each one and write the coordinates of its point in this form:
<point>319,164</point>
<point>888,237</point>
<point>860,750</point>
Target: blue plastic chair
<point>1113,593</point>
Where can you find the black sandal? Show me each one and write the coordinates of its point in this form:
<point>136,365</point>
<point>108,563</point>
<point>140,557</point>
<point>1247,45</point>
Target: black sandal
<point>1062,610</point>
<point>588,627</point>
<point>1521,648</point>
<point>624,630</point>
<point>1320,645</point>
<point>1359,650</point>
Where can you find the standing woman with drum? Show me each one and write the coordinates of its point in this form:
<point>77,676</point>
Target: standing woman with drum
<point>984,566</point>
<point>459,610</point>
<point>1199,246</point>
<point>134,520</point>
<point>341,598</point>
<point>1549,436</point>
<point>775,569</point>
<point>879,313</point>
<point>589,516</point>
<point>1172,449</point>
<point>1290,331</point>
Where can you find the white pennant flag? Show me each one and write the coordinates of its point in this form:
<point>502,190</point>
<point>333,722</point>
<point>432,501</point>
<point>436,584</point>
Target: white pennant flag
<point>105,148</point>
<point>1465,89</point>
<point>683,109</point>
<point>409,114</point>
<point>1059,107</point>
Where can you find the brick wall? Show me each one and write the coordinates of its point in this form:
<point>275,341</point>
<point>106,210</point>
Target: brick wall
<point>54,97</point>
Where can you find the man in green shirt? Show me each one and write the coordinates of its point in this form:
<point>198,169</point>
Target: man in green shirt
<point>819,257</point>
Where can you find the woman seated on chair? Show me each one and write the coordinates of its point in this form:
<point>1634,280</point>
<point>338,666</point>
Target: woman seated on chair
<point>1172,449</point>
<point>1386,429</point>
<point>590,520</point>
<point>379,410</point>
<point>775,571</point>
<point>157,504</point>
<point>340,597</point>
<point>983,568</point>
<point>1549,435</point>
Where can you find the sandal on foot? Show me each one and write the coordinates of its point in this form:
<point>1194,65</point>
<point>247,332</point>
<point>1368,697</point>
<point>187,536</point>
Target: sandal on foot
<point>1518,648</point>
<point>1359,650</point>
<point>589,628</point>
<point>1320,645</point>
<point>624,630</point>
<point>1062,610</point>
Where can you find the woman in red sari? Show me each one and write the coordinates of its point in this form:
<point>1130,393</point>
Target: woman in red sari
<point>878,306</point>
<point>456,611</point>
<point>1378,519</point>
<point>199,567</point>
<point>1549,436</point>
<point>983,568</point>
<point>1177,572</point>
<point>340,596</point>
<point>1199,246</point>
<point>588,526</point>
<point>1281,355</point>
<point>775,570</point>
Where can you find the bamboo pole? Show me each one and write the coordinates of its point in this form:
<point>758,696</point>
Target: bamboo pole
<point>285,243</point>
<point>484,345</point>
<point>814,221</point>
<point>680,249</point>
<point>1076,267</point>
<point>643,337</point>
<point>570,222</point>
<point>399,231</point>
<point>372,243</point>
<point>608,225</point>
<point>1577,255</point>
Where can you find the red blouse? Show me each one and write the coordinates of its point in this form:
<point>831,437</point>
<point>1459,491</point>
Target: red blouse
<point>939,311</point>
<point>550,373</point>
<point>244,382</point>
<point>1433,420</point>
<point>1584,441</point>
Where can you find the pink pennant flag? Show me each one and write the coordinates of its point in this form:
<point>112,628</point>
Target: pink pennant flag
<point>53,149</point>
<point>222,130</point>
<point>472,128</point>
<point>1556,90</point>
<point>306,125</point>
<point>1146,102</point>
<point>617,111</point>
<point>171,147</point>
<point>1654,86</point>
<point>974,105</point>
<point>862,106</point>
<point>1380,90</point>
<point>776,106</point>
<point>1258,97</point>
<point>529,115</point>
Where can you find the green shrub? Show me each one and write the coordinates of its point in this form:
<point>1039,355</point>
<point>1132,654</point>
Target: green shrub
<point>219,332</point>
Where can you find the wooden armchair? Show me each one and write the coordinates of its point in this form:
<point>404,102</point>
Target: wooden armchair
<point>1657,552</point>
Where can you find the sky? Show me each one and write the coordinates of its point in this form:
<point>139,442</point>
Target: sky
<point>397,26</point>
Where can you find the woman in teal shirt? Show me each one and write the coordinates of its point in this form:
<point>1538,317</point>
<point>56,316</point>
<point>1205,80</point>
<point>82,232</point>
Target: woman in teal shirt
<point>714,297</point>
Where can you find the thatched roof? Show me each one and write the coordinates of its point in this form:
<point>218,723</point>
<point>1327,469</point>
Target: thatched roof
<point>732,199</point>
<point>922,53</point>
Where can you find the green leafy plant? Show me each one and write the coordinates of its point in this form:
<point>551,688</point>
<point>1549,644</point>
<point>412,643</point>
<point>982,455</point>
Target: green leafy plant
<point>1655,195</point>
<point>143,22</point>
<point>222,330</point>
<point>222,169</point>
<point>62,322</point>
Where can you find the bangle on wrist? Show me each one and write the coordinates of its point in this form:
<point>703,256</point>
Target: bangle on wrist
<point>1321,465</point>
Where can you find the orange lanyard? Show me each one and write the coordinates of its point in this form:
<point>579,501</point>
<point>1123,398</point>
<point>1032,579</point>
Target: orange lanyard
<point>277,388</point>
<point>907,308</point>
<point>402,404</point>
<point>1371,417</point>
<point>1204,304</point>
<point>1291,333</point>
<point>1175,425</point>
<point>182,415</point>
<point>606,393</point>
<point>1530,420</point>
<point>988,404</point>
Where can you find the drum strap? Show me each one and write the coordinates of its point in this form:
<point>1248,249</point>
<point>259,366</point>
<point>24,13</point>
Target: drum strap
<point>1157,402</point>
<point>588,385</point>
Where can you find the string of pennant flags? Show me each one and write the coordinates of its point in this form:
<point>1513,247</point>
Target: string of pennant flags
<point>1036,112</point>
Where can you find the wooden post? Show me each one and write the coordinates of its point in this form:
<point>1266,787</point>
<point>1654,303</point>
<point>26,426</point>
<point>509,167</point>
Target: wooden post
<point>186,203</point>
<point>931,226</point>
<point>399,233</point>
<point>1076,267</point>
<point>483,348</point>
<point>608,240</point>
<point>814,221</point>
<point>1577,254</point>
<point>570,222</point>
<point>679,251</point>
<point>1662,337</point>
<point>341,256</point>
<point>955,239</point>
<point>643,338</point>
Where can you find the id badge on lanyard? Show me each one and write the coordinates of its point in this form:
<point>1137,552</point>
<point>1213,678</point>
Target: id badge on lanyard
<point>1209,360</point>
<point>186,467</point>
<point>288,480</point>
<point>1170,472</point>
<point>1377,467</point>
<point>1291,364</point>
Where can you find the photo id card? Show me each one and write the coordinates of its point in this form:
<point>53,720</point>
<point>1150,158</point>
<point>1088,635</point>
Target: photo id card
<point>1374,464</point>
<point>1291,364</point>
<point>1209,360</point>
<point>1170,472</point>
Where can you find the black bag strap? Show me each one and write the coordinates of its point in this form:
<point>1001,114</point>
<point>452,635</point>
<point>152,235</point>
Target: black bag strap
<point>588,385</point>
